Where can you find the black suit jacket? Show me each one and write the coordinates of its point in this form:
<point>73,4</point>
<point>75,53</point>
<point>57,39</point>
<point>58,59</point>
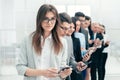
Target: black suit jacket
<point>85,32</point>
<point>78,57</point>
<point>76,49</point>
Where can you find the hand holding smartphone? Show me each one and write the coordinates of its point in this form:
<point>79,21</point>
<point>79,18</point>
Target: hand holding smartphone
<point>63,68</point>
<point>86,63</point>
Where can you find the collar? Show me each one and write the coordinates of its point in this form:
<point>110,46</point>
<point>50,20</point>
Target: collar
<point>49,37</point>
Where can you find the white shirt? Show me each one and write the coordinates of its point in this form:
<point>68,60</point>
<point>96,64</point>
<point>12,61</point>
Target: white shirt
<point>105,37</point>
<point>88,33</point>
<point>95,35</point>
<point>43,61</point>
<point>81,37</point>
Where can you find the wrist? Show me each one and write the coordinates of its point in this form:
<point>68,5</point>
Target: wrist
<point>41,72</point>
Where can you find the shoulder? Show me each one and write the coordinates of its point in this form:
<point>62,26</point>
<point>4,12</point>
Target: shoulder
<point>63,40</point>
<point>81,34</point>
<point>76,41</point>
<point>84,31</point>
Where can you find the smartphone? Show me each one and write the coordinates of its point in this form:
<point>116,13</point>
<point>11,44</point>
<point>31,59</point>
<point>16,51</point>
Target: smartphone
<point>63,68</point>
<point>86,63</point>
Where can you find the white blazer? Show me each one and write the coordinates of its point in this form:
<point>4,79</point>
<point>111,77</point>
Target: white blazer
<point>26,58</point>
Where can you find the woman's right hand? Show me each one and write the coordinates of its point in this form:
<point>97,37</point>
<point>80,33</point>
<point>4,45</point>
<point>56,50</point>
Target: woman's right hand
<point>90,41</point>
<point>81,66</point>
<point>86,57</point>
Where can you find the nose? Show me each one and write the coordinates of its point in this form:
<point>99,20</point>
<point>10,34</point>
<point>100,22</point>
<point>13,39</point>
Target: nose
<point>65,32</point>
<point>49,22</point>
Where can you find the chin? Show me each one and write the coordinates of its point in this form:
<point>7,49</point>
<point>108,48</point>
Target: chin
<point>49,29</point>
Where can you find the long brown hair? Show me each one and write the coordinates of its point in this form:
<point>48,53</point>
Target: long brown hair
<point>36,40</point>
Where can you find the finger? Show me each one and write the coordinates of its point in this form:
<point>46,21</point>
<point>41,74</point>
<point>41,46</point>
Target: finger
<point>53,75</point>
<point>53,70</point>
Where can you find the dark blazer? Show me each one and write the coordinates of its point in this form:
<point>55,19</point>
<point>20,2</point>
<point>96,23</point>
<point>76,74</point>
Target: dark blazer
<point>97,60</point>
<point>85,32</point>
<point>76,49</point>
<point>100,36</point>
<point>99,50</point>
<point>78,57</point>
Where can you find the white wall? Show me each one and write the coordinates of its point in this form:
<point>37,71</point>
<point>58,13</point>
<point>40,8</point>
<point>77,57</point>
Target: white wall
<point>7,22</point>
<point>21,14</point>
<point>0,13</point>
<point>103,11</point>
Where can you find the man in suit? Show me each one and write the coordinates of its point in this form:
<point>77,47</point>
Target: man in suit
<point>63,31</point>
<point>81,17</point>
<point>96,56</point>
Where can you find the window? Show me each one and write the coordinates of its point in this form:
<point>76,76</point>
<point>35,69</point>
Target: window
<point>60,8</point>
<point>77,8</point>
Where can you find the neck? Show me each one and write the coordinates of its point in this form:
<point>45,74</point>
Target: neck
<point>46,34</point>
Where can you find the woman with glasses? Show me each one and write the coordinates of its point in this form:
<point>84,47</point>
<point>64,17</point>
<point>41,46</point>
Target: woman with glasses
<point>44,52</point>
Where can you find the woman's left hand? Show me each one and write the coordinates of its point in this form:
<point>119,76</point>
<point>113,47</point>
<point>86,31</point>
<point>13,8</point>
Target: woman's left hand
<point>65,73</point>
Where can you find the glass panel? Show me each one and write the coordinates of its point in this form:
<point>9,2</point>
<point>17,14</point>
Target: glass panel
<point>7,15</point>
<point>7,37</point>
<point>76,8</point>
<point>60,8</point>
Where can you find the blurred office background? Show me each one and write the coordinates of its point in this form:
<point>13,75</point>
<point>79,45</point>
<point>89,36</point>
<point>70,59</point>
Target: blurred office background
<point>17,20</point>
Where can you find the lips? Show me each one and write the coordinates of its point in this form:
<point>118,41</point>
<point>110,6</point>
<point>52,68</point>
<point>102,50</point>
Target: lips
<point>48,26</point>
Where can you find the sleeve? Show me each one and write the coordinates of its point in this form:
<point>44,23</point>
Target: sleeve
<point>65,53</point>
<point>72,61</point>
<point>87,43</point>
<point>76,53</point>
<point>77,49</point>
<point>21,63</point>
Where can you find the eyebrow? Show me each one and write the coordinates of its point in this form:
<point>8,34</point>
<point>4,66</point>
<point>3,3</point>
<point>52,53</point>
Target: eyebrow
<point>51,17</point>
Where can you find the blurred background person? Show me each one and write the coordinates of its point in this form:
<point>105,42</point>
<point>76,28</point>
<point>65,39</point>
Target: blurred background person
<point>65,30</point>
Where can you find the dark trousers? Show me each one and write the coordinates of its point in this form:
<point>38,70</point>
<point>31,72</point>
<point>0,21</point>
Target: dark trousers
<point>102,65</point>
<point>76,76</point>
<point>98,65</point>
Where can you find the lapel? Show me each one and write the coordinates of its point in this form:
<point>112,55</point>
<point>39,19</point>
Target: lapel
<point>99,35</point>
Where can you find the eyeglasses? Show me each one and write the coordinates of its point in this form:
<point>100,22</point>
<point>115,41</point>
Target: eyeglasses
<point>82,20</point>
<point>72,27</point>
<point>64,28</point>
<point>52,20</point>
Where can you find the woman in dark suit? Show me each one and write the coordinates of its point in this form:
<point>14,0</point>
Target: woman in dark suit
<point>77,53</point>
